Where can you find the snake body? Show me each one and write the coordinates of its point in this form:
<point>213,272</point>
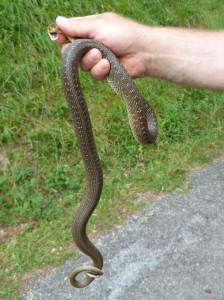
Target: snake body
<point>143,123</point>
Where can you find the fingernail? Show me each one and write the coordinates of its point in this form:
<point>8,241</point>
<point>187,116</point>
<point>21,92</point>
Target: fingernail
<point>95,54</point>
<point>62,20</point>
<point>103,64</point>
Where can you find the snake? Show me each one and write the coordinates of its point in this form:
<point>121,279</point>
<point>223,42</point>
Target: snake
<point>143,123</point>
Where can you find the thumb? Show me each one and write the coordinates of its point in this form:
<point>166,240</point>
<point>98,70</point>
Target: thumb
<point>76,27</point>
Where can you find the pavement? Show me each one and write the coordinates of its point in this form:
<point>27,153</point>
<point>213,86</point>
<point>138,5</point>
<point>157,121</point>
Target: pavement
<point>172,250</point>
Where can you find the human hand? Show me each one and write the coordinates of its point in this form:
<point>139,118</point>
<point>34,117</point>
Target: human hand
<point>182,55</point>
<point>123,36</point>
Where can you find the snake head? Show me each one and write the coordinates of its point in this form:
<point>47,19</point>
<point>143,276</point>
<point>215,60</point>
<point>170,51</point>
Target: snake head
<point>53,31</point>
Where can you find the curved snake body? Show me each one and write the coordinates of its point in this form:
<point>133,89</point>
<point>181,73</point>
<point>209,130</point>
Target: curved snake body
<point>143,123</point>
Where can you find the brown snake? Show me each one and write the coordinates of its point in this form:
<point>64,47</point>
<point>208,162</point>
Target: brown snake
<point>143,124</point>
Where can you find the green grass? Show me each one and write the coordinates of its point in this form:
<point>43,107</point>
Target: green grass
<point>42,182</point>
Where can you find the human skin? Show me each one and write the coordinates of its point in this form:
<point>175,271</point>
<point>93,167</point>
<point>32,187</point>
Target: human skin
<point>193,57</point>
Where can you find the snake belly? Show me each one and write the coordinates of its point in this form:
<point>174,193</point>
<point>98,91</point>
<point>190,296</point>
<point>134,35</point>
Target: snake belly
<point>143,124</point>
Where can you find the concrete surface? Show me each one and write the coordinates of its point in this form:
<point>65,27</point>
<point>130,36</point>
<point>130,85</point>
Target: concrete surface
<point>172,250</point>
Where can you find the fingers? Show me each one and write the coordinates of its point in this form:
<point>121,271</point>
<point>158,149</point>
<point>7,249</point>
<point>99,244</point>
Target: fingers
<point>84,27</point>
<point>100,70</point>
<point>90,59</point>
<point>92,62</point>
<point>64,47</point>
<point>61,39</point>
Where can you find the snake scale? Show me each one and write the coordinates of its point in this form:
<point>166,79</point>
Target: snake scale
<point>143,123</point>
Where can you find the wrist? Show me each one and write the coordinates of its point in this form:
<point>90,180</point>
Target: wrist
<point>153,43</point>
<point>147,41</point>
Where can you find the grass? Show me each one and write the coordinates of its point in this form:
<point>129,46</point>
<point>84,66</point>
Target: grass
<point>41,177</point>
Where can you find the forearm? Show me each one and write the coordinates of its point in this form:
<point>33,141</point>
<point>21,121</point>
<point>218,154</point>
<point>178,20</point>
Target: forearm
<point>186,56</point>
